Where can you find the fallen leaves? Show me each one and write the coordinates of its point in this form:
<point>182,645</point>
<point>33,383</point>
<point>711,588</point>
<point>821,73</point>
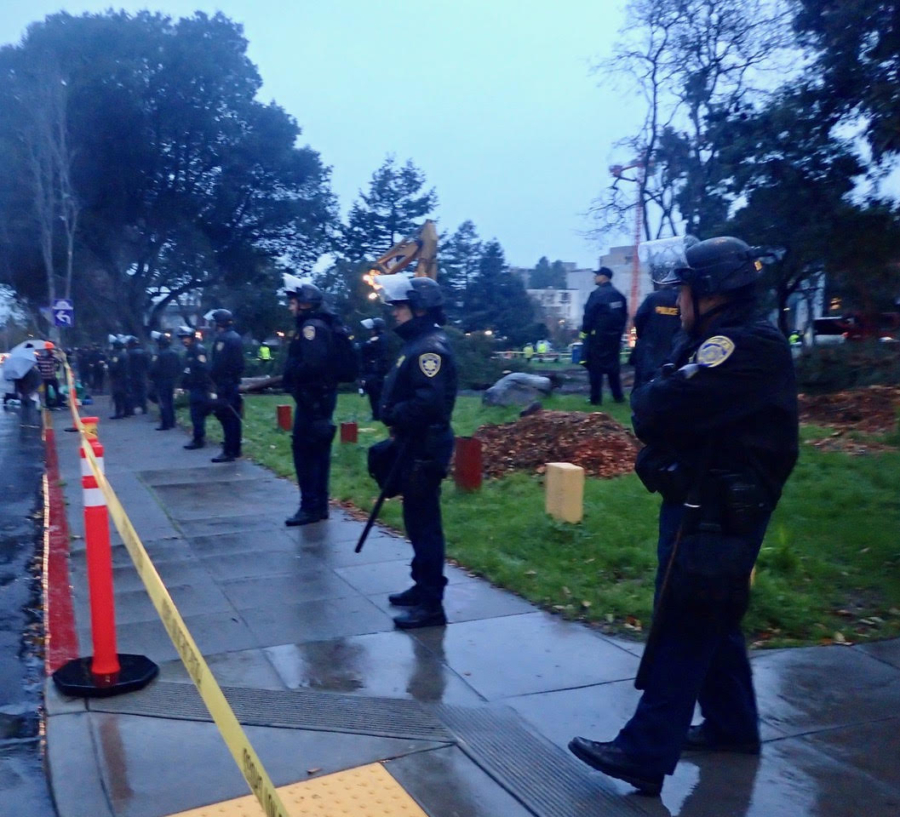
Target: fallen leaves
<point>872,409</point>
<point>593,441</point>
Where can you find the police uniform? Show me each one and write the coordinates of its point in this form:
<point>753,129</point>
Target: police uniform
<point>418,400</point>
<point>309,380</point>
<point>375,365</point>
<point>117,366</point>
<point>138,364</point>
<point>656,323</point>
<point>225,371</point>
<point>196,381</point>
<point>605,315</point>
<point>722,437</point>
<point>164,369</point>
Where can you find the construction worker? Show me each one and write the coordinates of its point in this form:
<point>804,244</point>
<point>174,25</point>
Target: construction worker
<point>528,352</point>
<point>196,381</point>
<point>605,315</point>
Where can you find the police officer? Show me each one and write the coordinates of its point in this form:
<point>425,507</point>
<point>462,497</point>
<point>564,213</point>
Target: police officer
<point>655,324</point>
<point>605,314</point>
<point>164,369</point>
<point>309,378</point>
<point>722,438</point>
<point>375,363</point>
<point>138,365</point>
<point>117,367</point>
<point>196,381</point>
<point>418,400</point>
<point>225,371</point>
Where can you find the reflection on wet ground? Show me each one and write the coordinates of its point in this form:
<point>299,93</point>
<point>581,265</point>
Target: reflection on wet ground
<point>22,779</point>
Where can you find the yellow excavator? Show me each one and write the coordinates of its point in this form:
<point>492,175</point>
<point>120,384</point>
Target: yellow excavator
<point>420,250</point>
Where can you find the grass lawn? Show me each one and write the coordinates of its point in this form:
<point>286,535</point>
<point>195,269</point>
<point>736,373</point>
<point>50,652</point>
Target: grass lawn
<point>829,568</point>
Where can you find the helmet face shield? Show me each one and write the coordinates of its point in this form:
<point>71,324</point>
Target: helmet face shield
<point>393,288</point>
<point>667,259</point>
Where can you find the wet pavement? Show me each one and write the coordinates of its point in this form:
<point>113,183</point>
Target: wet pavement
<point>471,719</point>
<point>23,786</point>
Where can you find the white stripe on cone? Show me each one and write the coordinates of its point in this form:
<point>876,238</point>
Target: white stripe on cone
<point>93,498</point>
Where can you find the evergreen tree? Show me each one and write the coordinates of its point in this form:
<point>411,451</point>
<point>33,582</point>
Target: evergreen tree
<point>498,300</point>
<point>460,256</point>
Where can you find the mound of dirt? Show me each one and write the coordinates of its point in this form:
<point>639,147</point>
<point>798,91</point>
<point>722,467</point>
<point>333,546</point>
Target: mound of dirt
<point>594,441</point>
<point>872,409</point>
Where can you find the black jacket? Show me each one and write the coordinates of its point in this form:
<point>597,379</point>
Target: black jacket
<point>195,376</point>
<point>165,366</point>
<point>307,372</point>
<point>374,355</point>
<point>117,365</point>
<point>656,323</point>
<point>735,388</point>
<point>605,315</point>
<point>227,360</point>
<point>138,364</point>
<point>420,390</point>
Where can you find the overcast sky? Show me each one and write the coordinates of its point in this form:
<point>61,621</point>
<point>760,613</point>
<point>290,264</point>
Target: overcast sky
<point>493,99</point>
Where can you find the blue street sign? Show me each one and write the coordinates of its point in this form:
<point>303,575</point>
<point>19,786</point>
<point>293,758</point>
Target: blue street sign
<point>63,313</point>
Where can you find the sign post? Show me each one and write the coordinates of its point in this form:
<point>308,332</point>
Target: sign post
<point>63,313</point>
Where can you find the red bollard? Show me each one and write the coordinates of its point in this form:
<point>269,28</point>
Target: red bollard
<point>467,463</point>
<point>283,413</point>
<point>105,661</point>
<point>349,432</point>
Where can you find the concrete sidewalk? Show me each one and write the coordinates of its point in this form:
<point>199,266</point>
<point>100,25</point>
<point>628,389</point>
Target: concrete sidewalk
<point>472,719</point>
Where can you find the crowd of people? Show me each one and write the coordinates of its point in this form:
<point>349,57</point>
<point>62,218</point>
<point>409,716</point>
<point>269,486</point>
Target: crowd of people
<point>714,401</point>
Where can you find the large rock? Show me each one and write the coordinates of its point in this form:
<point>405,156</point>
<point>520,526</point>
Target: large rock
<point>517,389</point>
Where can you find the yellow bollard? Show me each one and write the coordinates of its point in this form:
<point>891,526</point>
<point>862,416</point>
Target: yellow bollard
<point>564,491</point>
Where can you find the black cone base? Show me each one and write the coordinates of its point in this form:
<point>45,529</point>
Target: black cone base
<point>74,678</point>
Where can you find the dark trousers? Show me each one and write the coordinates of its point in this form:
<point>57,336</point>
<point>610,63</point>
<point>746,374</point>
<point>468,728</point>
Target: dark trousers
<point>228,413</point>
<point>52,385</point>
<point>165,393</point>
<point>610,368</point>
<point>97,380</point>
<point>699,659</point>
<point>137,396</point>
<point>311,440</point>
<point>119,399</point>
<point>374,388</point>
<point>422,519</point>
<point>199,407</point>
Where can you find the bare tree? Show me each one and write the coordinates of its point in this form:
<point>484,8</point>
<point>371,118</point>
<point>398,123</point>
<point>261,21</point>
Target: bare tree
<point>695,63</point>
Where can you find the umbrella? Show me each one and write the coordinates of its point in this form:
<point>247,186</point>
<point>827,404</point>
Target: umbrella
<point>21,359</point>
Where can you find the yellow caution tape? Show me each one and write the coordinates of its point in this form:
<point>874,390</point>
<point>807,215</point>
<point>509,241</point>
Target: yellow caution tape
<point>243,753</point>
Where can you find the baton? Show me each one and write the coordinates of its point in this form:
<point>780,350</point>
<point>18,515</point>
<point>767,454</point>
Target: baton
<point>382,496</point>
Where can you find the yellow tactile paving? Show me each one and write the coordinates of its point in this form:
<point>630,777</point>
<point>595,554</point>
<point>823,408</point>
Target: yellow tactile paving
<point>368,791</point>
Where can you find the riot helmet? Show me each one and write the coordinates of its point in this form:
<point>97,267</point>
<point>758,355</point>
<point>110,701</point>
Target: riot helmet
<point>710,267</point>
<point>184,332</point>
<point>220,317</point>
<point>419,292</point>
<point>163,339</point>
<point>374,324</point>
<point>302,290</point>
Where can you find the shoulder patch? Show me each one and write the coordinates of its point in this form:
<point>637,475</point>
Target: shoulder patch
<point>430,364</point>
<point>309,332</point>
<point>201,358</point>
<point>714,351</point>
<point>220,345</point>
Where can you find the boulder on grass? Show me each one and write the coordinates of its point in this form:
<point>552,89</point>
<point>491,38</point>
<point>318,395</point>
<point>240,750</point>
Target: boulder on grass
<point>517,389</point>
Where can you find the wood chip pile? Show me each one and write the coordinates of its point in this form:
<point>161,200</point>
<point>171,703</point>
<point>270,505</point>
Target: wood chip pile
<point>594,441</point>
<point>872,409</point>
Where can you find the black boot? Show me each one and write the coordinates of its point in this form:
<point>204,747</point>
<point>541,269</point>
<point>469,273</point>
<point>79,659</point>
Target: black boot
<point>699,739</point>
<point>611,760</point>
<point>194,444</point>
<point>423,615</point>
<point>304,517</point>
<point>223,457</point>
<point>411,597</point>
